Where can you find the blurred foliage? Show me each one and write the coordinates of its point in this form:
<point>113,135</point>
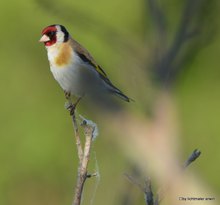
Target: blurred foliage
<point>37,150</point>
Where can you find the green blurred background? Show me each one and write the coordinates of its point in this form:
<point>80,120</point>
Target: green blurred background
<point>37,150</point>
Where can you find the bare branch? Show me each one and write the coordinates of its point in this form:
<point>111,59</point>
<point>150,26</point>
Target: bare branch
<point>83,154</point>
<point>77,136</point>
<point>87,148</point>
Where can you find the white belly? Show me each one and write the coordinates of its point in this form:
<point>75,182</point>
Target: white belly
<point>78,78</point>
<point>68,79</point>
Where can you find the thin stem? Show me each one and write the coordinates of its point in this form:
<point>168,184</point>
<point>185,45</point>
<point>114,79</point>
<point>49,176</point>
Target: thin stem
<point>77,136</point>
<point>84,156</point>
<point>133,181</point>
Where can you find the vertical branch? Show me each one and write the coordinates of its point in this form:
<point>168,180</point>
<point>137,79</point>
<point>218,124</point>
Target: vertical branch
<point>89,135</point>
<point>83,154</point>
<point>149,196</point>
<point>77,136</point>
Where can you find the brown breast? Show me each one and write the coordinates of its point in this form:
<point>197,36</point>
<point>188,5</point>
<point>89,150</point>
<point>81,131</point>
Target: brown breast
<point>64,56</point>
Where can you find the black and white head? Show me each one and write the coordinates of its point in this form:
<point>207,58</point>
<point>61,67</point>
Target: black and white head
<point>54,34</point>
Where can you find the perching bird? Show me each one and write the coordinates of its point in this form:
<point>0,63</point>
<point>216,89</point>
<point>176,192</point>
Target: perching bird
<point>74,68</point>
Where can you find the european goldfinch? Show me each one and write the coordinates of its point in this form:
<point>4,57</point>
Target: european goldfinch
<point>73,67</point>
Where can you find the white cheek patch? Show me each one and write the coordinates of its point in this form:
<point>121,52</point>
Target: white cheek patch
<point>59,35</point>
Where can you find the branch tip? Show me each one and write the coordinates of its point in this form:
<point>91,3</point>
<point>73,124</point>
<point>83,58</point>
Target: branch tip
<point>90,124</point>
<point>195,154</point>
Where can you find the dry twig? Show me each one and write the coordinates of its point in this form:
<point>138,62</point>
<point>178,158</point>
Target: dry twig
<point>77,136</point>
<point>90,131</point>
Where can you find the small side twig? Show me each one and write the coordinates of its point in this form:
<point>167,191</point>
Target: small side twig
<point>148,193</point>
<point>133,181</point>
<point>195,154</point>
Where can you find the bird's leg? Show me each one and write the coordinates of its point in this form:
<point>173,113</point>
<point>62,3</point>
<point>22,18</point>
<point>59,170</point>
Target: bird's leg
<point>73,106</point>
<point>67,95</point>
<point>69,105</point>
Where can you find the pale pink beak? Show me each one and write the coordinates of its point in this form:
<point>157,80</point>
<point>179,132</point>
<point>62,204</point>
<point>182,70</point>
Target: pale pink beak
<point>44,38</point>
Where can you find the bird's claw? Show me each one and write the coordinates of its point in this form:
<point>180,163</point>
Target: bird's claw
<point>70,107</point>
<point>72,110</point>
<point>67,105</point>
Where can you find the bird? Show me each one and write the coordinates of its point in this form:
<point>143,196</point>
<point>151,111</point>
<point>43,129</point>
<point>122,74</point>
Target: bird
<point>74,68</point>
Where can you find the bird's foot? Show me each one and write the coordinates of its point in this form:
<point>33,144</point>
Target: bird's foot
<point>67,95</point>
<point>70,107</point>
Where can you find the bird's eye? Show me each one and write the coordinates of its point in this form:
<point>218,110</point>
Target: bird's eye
<point>50,34</point>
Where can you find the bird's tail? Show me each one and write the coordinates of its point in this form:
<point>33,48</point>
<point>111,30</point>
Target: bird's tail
<point>122,95</point>
<point>114,90</point>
